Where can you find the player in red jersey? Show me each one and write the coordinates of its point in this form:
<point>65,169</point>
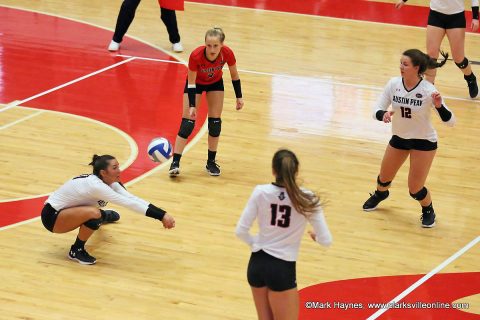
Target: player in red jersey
<point>205,74</point>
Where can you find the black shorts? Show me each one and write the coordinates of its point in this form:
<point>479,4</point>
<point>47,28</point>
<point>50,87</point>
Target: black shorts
<point>265,270</point>
<point>412,144</point>
<point>199,88</point>
<point>49,217</point>
<point>447,21</point>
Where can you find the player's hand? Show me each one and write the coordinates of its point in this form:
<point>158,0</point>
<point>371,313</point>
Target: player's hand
<point>474,25</point>
<point>193,113</point>
<point>387,117</point>
<point>436,99</point>
<point>239,103</point>
<point>399,4</point>
<point>312,235</point>
<point>168,221</point>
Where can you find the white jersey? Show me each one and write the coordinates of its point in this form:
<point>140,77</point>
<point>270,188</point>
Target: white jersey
<point>89,190</point>
<point>412,109</point>
<point>281,227</point>
<point>450,6</point>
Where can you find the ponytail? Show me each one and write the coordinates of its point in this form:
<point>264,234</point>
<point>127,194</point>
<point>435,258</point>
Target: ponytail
<point>424,61</point>
<point>100,163</point>
<point>433,64</point>
<point>285,165</point>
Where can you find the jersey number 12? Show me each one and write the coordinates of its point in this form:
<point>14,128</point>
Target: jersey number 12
<point>406,112</point>
<point>284,220</point>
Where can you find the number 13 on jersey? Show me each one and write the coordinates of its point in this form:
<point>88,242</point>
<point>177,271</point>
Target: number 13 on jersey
<point>284,220</point>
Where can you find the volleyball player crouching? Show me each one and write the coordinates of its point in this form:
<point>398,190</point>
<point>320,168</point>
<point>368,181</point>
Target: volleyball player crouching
<point>77,204</point>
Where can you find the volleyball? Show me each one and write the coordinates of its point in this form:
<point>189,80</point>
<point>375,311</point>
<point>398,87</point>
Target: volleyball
<point>159,150</point>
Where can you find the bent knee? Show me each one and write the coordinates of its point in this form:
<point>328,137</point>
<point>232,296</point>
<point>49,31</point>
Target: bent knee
<point>94,213</point>
<point>419,194</point>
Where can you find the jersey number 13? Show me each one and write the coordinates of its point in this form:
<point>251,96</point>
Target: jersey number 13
<point>284,220</point>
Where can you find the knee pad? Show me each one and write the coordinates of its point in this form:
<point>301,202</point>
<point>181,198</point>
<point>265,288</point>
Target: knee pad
<point>214,126</point>
<point>93,224</point>
<point>463,64</point>
<point>383,184</point>
<point>186,128</point>
<point>420,195</point>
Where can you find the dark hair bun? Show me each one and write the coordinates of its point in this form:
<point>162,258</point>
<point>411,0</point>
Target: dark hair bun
<point>94,158</point>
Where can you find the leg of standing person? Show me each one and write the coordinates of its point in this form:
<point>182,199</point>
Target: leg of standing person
<point>391,163</point>
<point>186,127</point>
<point>124,19</point>
<point>169,18</point>
<point>284,304</point>
<point>420,163</point>
<point>456,38</point>
<point>215,108</point>
<point>434,40</point>
<point>87,219</point>
<point>260,297</point>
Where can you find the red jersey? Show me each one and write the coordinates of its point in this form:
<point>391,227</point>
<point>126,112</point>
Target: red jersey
<point>209,72</point>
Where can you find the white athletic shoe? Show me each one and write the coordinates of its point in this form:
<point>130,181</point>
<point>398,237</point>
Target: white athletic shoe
<point>177,47</point>
<point>113,46</point>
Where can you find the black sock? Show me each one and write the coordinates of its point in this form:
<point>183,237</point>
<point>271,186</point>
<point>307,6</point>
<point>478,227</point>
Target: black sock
<point>471,76</point>
<point>382,194</point>
<point>79,244</point>
<point>211,155</point>
<point>177,157</point>
<point>428,208</point>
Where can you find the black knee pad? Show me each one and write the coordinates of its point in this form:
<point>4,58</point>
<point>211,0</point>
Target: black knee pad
<point>420,195</point>
<point>214,126</point>
<point>186,128</point>
<point>383,184</point>
<point>463,64</point>
<point>93,224</point>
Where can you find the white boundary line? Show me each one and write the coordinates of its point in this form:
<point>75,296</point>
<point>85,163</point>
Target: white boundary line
<point>190,145</point>
<point>180,60</point>
<point>271,74</point>
<point>316,16</point>
<point>169,53</point>
<point>131,143</point>
<point>30,116</point>
<point>11,105</point>
<point>19,223</point>
<point>203,129</point>
<point>442,265</point>
<point>152,59</point>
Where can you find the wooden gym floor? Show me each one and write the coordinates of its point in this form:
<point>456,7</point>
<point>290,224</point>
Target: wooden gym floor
<point>310,73</point>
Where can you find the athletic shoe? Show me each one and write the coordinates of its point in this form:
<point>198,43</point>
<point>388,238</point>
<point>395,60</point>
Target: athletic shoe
<point>177,47</point>
<point>81,256</point>
<point>111,216</point>
<point>375,198</point>
<point>113,46</point>
<point>174,169</point>
<point>213,168</point>
<point>472,86</point>
<point>428,218</point>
